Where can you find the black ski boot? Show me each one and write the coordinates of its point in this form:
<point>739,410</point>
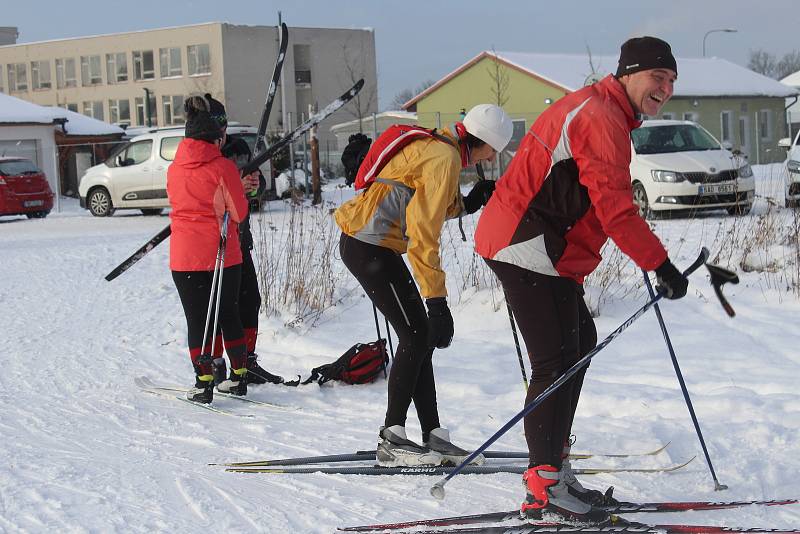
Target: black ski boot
<point>257,375</point>
<point>203,390</point>
<point>236,384</point>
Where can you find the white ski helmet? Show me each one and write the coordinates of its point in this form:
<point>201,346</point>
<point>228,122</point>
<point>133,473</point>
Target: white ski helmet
<point>490,124</point>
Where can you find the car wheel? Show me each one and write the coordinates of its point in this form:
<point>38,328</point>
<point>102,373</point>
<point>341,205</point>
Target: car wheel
<point>99,202</point>
<point>640,199</point>
<point>38,214</point>
<point>740,209</point>
<point>152,211</point>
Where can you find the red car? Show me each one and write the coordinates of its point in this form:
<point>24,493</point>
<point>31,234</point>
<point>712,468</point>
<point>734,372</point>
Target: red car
<point>24,189</point>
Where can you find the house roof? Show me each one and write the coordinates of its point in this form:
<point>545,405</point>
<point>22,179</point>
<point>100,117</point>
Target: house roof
<point>569,72</point>
<point>14,110</point>
<point>78,124</point>
<point>792,79</point>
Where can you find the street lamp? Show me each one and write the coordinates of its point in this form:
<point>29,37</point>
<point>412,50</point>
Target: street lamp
<point>726,30</point>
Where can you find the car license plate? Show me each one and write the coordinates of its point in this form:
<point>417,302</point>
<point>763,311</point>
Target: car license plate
<point>716,189</point>
<point>33,203</point>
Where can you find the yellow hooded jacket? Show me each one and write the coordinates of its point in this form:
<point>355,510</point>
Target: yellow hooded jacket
<point>405,208</point>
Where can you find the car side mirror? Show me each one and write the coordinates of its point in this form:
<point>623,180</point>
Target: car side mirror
<point>727,145</point>
<point>119,161</point>
<point>785,143</point>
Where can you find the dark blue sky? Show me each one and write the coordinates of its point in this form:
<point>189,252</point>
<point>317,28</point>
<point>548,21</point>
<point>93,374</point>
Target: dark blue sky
<point>418,40</point>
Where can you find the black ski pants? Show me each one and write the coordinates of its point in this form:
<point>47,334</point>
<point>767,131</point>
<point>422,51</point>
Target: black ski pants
<point>249,299</point>
<point>194,289</point>
<point>558,331</point>
<point>385,277</point>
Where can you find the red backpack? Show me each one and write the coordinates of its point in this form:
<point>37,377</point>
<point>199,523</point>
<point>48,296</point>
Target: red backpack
<point>361,364</point>
<point>389,143</point>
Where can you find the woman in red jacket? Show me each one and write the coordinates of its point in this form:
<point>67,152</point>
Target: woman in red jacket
<point>202,185</point>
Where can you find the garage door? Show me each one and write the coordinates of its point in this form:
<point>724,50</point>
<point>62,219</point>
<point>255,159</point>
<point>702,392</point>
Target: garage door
<point>22,148</point>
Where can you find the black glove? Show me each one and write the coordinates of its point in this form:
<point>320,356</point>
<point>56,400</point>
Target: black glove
<point>440,323</point>
<point>670,281</point>
<point>478,196</point>
<point>353,154</point>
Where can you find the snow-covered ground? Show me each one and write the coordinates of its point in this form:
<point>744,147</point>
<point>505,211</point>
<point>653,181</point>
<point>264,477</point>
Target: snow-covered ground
<point>84,450</point>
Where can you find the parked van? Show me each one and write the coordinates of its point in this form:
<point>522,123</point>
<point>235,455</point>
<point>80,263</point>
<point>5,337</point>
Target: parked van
<point>791,192</point>
<point>135,174</point>
<point>678,166</point>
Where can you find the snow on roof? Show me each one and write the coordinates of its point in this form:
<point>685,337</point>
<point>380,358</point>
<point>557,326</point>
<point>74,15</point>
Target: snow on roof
<point>78,124</point>
<point>792,79</point>
<point>15,110</point>
<point>696,76</point>
<point>393,114</point>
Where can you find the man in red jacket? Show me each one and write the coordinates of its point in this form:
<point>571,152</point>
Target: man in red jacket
<point>567,190</point>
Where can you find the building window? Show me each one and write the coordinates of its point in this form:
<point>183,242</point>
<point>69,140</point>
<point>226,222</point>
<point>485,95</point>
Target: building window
<point>65,73</point>
<point>93,109</point>
<point>141,111</point>
<point>302,64</point>
<point>17,77</point>
<point>690,116</point>
<point>40,75</point>
<point>117,67</point>
<point>119,111</point>
<point>668,116</point>
<point>199,59</point>
<point>172,107</point>
<point>90,70</point>
<point>170,59</point>
<point>71,107</point>
<point>726,126</point>
<point>143,65</point>
<point>765,125</point>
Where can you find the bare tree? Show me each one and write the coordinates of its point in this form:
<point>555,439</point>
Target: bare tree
<point>498,75</point>
<point>762,62</point>
<point>789,64</point>
<point>407,94</point>
<point>355,68</point>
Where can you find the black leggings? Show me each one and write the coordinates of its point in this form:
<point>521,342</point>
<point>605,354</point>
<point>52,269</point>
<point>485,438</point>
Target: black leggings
<point>194,289</point>
<point>384,276</point>
<point>558,330</point>
<point>249,300</point>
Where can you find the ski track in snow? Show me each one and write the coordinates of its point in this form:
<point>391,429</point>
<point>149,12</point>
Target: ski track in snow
<point>86,451</point>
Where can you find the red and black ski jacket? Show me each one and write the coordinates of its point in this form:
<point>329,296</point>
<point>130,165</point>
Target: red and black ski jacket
<point>568,189</point>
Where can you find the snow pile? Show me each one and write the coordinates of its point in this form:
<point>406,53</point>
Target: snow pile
<point>85,450</point>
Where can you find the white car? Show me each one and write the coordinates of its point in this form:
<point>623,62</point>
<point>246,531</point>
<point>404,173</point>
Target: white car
<point>677,166</point>
<point>135,174</point>
<point>791,191</point>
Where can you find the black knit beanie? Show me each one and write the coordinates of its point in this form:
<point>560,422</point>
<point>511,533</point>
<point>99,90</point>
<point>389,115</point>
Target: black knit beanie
<point>199,122</point>
<point>643,53</point>
<point>217,110</point>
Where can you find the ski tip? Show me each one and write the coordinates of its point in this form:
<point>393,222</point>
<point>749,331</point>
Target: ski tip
<point>358,85</point>
<point>437,490</point>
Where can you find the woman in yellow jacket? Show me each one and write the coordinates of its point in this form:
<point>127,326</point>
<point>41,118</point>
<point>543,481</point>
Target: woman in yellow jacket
<point>403,211</point>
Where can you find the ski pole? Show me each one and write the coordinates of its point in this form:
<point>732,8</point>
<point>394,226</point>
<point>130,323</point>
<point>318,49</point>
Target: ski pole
<point>516,343</point>
<point>223,240</point>
<point>216,288</point>
<point>389,337</point>
<point>437,490</point>
<point>717,485</point>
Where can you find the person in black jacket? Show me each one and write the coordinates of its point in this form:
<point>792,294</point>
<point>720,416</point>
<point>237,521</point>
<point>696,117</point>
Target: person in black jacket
<point>237,150</point>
